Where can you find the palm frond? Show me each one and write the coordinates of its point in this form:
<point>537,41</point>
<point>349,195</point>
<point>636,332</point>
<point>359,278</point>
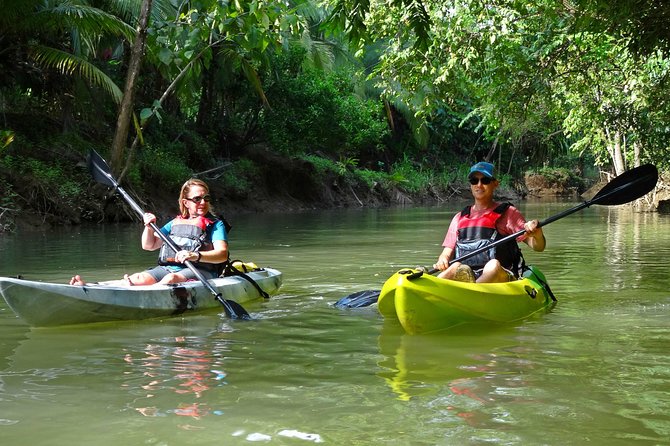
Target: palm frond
<point>319,54</point>
<point>129,9</point>
<point>254,79</point>
<point>233,58</point>
<point>69,64</point>
<point>87,20</point>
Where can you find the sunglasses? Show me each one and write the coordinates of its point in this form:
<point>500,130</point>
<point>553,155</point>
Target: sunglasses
<point>484,180</point>
<point>197,200</point>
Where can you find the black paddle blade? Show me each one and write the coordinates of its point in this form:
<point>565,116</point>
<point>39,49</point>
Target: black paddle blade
<point>234,310</point>
<point>359,299</point>
<point>628,186</point>
<point>100,170</point>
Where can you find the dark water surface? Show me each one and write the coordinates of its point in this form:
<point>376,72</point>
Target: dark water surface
<point>596,370</point>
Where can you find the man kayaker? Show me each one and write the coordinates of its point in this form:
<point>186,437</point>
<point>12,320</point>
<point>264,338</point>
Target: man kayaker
<point>201,236</point>
<point>479,225</point>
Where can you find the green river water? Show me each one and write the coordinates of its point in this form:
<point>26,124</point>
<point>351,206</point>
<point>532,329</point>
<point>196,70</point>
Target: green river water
<point>595,370</point>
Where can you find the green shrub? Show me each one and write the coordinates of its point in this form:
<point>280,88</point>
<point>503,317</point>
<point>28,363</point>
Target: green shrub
<point>239,176</point>
<point>560,175</point>
<point>322,165</point>
<point>315,111</point>
<point>372,177</point>
<point>164,166</point>
<point>410,176</point>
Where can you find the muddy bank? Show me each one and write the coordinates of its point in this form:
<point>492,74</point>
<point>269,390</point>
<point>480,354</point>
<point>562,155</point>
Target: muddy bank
<point>281,184</point>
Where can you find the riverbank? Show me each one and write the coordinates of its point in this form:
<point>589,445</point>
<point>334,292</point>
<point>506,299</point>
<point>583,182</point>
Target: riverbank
<point>278,184</point>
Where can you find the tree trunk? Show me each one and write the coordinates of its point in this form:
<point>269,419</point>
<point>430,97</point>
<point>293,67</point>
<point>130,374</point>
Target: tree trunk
<point>613,141</point>
<point>619,165</point>
<point>637,151</point>
<point>127,103</point>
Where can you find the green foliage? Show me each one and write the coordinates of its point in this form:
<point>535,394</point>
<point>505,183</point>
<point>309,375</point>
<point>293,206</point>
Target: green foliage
<point>314,111</point>
<point>180,138</point>
<point>410,176</point>
<point>51,182</point>
<point>239,176</point>
<point>561,176</point>
<point>525,72</point>
<point>8,208</point>
<point>525,84</point>
<point>373,177</point>
<point>346,164</point>
<point>6,138</point>
<point>322,166</point>
<point>164,166</point>
<point>7,195</point>
<point>506,181</point>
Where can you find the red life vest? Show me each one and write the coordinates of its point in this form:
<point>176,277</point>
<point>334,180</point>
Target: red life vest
<point>476,233</point>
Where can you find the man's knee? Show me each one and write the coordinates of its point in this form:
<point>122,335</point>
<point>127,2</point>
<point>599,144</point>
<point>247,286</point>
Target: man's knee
<point>493,265</point>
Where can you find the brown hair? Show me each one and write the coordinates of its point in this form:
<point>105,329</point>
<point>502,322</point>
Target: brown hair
<point>185,189</point>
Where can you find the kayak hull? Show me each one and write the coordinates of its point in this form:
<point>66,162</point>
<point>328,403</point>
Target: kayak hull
<point>43,304</point>
<point>423,303</point>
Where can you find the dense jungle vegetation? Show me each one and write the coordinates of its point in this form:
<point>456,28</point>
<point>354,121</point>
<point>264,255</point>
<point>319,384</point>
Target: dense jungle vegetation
<point>308,103</point>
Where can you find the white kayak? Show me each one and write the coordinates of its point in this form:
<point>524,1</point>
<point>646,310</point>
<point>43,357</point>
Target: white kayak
<point>43,304</point>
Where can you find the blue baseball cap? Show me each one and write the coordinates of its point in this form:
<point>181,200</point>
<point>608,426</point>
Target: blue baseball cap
<point>484,168</point>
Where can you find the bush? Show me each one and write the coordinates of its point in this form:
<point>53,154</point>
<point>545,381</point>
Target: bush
<point>561,176</point>
<point>312,111</point>
<point>164,166</point>
<point>238,177</point>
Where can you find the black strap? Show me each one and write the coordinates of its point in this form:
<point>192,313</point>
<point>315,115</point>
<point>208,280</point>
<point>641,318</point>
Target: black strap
<point>544,284</point>
<point>500,209</point>
<point>230,270</point>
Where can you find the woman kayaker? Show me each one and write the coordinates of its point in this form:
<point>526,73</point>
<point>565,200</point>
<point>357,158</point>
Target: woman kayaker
<point>480,225</point>
<point>201,236</point>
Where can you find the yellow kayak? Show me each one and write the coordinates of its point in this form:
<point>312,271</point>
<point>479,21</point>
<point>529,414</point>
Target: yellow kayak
<point>423,303</point>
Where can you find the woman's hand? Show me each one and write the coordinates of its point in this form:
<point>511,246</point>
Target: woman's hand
<point>183,256</point>
<point>148,218</point>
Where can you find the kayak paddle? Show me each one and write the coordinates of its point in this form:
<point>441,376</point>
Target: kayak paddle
<point>625,188</point>
<point>102,174</point>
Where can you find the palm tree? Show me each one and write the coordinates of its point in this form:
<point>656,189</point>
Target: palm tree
<point>51,52</point>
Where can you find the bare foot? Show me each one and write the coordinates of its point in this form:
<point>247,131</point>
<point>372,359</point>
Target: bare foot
<point>77,280</point>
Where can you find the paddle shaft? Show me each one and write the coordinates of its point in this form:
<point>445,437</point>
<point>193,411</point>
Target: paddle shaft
<point>610,191</point>
<point>518,233</point>
<point>166,239</point>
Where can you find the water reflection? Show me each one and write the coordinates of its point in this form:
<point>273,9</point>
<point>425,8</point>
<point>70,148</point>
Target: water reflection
<point>459,361</point>
<point>184,365</point>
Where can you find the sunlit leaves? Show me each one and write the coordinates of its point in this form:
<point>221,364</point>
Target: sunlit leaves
<point>516,68</point>
<point>237,31</point>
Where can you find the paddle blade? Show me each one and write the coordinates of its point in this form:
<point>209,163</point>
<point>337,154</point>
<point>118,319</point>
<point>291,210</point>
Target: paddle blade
<point>359,299</point>
<point>100,169</point>
<point>234,310</point>
<point>628,186</point>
